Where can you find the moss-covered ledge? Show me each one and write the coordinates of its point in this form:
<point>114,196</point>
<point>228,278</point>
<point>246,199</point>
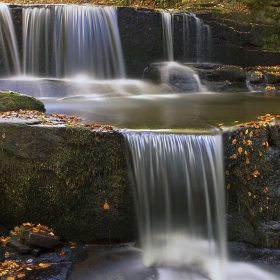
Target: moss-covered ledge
<point>61,177</point>
<point>11,101</point>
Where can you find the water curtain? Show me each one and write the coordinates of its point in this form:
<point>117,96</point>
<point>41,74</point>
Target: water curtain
<point>197,37</point>
<point>8,43</point>
<point>179,194</point>
<point>64,41</point>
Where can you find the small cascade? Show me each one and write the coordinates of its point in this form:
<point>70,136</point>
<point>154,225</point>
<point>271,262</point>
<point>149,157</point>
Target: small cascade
<point>179,194</point>
<point>167,26</point>
<point>9,57</point>
<point>69,40</point>
<point>203,40</point>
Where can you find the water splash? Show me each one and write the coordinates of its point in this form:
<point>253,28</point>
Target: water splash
<point>67,40</point>
<point>8,43</point>
<point>179,193</point>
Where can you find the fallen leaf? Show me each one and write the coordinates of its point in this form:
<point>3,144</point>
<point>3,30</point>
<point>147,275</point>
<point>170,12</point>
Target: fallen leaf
<point>240,150</point>
<point>228,186</point>
<point>233,142</point>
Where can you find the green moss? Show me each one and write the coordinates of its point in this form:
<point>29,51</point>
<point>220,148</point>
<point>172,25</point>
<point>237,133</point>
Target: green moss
<point>12,101</point>
<point>62,177</point>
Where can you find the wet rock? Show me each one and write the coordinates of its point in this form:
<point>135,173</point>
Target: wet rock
<point>16,243</point>
<point>180,77</point>
<point>252,161</point>
<point>38,239</point>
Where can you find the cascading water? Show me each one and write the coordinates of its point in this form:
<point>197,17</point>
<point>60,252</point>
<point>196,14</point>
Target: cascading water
<point>64,41</point>
<point>179,194</point>
<point>167,26</point>
<point>9,57</point>
<point>197,38</point>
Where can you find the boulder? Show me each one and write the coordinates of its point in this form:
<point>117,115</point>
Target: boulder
<point>12,101</point>
<point>61,176</point>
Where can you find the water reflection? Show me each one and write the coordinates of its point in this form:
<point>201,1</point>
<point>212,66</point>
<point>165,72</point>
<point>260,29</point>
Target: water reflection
<point>135,104</point>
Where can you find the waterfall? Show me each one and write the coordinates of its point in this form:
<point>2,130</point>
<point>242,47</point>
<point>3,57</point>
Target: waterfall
<point>167,26</point>
<point>203,40</point>
<point>9,57</point>
<point>64,41</point>
<point>179,195</point>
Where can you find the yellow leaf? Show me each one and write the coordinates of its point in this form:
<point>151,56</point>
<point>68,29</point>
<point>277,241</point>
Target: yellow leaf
<point>233,142</point>
<point>247,161</point>
<point>220,124</point>
<point>256,173</point>
<point>246,131</point>
<point>228,186</point>
<point>244,141</point>
<point>44,265</point>
<point>251,134</point>
<point>265,190</point>
<point>260,153</point>
<point>240,150</point>
<point>249,142</point>
<point>249,193</point>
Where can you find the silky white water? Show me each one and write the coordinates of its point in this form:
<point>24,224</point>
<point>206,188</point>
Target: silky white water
<point>179,196</point>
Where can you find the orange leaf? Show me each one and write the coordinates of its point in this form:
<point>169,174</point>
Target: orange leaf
<point>233,142</point>
<point>106,206</point>
<point>228,186</point>
<point>21,275</point>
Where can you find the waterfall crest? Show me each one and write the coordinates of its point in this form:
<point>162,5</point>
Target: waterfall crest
<point>179,194</point>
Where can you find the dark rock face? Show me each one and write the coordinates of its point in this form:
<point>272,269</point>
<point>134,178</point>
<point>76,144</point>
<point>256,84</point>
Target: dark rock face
<point>141,31</point>
<point>252,162</point>
<point>62,176</point>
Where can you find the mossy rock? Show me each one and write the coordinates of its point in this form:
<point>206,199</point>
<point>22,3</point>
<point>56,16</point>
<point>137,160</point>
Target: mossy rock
<point>12,101</point>
<point>229,73</point>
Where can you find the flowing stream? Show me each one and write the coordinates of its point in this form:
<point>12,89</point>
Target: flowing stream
<point>72,59</point>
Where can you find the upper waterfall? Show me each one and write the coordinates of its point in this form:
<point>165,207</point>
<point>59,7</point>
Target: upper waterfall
<point>64,41</point>
<point>8,44</point>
